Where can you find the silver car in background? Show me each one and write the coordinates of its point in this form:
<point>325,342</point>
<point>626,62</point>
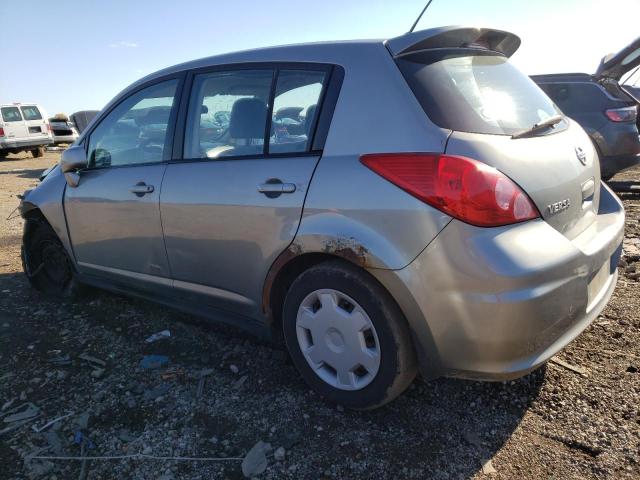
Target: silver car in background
<point>383,207</point>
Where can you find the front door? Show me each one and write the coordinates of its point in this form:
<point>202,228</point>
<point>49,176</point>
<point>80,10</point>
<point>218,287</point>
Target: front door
<point>113,214</point>
<point>234,202</point>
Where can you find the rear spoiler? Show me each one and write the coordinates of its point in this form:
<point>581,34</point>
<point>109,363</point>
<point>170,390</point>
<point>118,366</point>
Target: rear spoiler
<point>499,41</point>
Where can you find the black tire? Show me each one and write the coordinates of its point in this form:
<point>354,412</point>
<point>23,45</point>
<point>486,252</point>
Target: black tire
<point>38,152</point>
<point>3,154</point>
<point>46,263</point>
<point>398,361</point>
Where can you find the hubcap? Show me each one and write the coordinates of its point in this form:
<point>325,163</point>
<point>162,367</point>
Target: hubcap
<point>338,339</point>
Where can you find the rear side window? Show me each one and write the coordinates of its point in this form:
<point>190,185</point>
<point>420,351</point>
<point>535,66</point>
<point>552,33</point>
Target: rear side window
<point>478,94</point>
<point>228,114</point>
<point>31,112</point>
<point>11,114</point>
<point>295,110</point>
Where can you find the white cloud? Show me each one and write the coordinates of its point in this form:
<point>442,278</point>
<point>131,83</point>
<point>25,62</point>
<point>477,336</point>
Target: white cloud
<point>123,44</point>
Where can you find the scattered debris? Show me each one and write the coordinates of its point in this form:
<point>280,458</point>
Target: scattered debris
<point>255,462</point>
<point>93,360</point>
<point>487,468</point>
<point>156,392</point>
<point>568,366</point>
<point>238,383</point>
<point>24,412</point>
<point>48,424</point>
<point>279,454</point>
<point>151,362</point>
<point>158,336</point>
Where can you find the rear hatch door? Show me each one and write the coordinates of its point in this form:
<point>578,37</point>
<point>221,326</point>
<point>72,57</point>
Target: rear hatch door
<point>474,91</point>
<point>616,65</point>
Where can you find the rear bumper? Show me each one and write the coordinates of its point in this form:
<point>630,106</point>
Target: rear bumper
<point>65,138</point>
<point>21,144</point>
<point>611,165</point>
<point>496,303</point>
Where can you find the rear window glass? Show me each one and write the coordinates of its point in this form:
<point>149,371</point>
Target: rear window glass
<point>11,114</point>
<point>478,94</point>
<point>578,98</point>
<point>31,113</point>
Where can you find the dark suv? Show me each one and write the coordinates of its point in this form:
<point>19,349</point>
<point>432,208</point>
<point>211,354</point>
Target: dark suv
<point>607,110</point>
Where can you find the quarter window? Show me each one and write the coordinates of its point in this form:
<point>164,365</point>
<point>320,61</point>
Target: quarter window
<point>11,114</point>
<point>295,110</point>
<point>136,131</point>
<point>31,112</point>
<point>228,114</point>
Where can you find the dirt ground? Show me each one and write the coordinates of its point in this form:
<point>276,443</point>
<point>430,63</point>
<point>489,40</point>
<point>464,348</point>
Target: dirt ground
<point>222,392</point>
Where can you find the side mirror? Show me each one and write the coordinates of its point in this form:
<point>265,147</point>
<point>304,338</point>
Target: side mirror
<point>73,159</point>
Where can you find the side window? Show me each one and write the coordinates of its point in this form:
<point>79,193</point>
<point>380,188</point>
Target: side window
<point>136,130</point>
<point>31,113</point>
<point>576,97</point>
<point>295,110</point>
<point>11,114</point>
<point>228,114</point>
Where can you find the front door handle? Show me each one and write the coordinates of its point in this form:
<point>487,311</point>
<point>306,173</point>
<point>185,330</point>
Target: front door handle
<point>141,189</point>
<point>274,188</point>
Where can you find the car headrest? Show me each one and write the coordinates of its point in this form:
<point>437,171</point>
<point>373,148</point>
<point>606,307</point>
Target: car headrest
<point>247,120</point>
<point>309,117</point>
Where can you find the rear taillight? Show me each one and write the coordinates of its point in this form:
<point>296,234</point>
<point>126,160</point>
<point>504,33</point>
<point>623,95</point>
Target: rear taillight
<point>624,114</point>
<point>1,132</point>
<point>466,189</point>
<point>49,127</point>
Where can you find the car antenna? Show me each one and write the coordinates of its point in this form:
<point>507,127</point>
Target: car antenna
<point>420,16</point>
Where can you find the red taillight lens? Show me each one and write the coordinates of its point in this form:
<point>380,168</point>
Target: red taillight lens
<point>466,189</point>
<point>625,114</point>
<point>1,132</point>
<point>48,127</point>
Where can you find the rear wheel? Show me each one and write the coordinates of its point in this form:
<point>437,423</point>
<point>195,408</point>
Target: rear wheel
<point>38,152</point>
<point>46,263</point>
<point>347,337</point>
<point>3,153</point>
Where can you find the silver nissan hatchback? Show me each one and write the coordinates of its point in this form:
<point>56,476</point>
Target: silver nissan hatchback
<point>383,207</point>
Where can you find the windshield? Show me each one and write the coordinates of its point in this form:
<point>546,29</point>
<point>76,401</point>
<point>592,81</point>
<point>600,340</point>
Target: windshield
<point>478,94</point>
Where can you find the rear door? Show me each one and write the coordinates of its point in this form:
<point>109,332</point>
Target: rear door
<point>487,103</point>
<point>233,201</point>
<point>35,121</point>
<point>14,125</point>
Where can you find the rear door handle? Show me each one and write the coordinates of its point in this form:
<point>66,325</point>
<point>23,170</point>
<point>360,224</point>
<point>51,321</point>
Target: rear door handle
<point>274,188</point>
<point>141,189</point>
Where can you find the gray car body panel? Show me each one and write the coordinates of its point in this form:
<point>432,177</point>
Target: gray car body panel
<point>460,287</point>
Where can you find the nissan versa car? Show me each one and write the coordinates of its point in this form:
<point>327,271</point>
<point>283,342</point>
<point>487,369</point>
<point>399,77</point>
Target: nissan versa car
<point>383,207</point>
<point>606,109</point>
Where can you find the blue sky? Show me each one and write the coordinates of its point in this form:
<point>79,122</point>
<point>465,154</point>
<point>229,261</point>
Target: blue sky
<point>71,55</point>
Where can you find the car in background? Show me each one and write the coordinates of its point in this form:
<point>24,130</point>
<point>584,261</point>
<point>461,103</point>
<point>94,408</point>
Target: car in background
<point>64,131</point>
<point>606,109</point>
<point>382,207</point>
<point>23,128</point>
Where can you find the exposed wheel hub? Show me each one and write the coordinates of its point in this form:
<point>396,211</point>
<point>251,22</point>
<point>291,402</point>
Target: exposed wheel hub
<point>338,339</point>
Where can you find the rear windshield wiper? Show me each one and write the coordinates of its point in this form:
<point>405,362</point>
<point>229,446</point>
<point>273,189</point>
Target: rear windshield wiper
<point>549,122</point>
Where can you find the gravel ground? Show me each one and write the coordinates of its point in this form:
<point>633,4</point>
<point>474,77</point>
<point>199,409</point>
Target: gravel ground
<point>223,392</point>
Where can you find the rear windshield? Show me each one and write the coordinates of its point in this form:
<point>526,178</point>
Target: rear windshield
<point>31,113</point>
<point>11,114</point>
<point>478,94</point>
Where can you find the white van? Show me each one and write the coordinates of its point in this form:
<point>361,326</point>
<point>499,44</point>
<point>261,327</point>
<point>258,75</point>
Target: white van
<point>23,127</point>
